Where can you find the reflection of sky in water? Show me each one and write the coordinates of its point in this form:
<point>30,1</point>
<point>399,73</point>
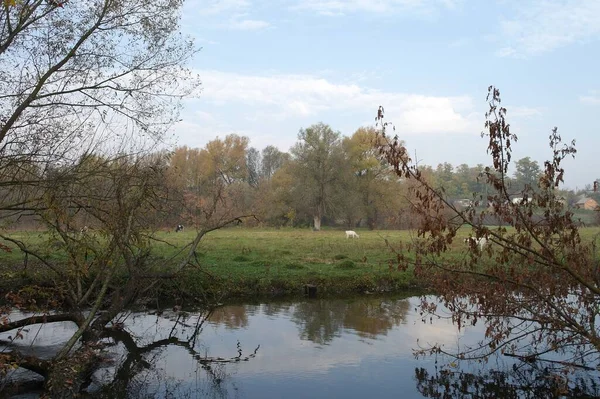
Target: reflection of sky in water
<point>43,340</point>
<point>342,362</point>
<point>308,349</point>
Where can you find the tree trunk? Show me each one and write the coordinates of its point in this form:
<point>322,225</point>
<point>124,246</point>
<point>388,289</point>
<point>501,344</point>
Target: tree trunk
<point>66,377</point>
<point>317,221</point>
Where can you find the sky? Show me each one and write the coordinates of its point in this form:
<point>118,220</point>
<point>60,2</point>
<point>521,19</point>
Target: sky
<point>270,68</point>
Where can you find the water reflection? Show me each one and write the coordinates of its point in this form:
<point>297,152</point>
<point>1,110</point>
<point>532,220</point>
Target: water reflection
<point>520,381</point>
<point>307,349</point>
<point>349,348</point>
<point>321,321</point>
<point>233,316</point>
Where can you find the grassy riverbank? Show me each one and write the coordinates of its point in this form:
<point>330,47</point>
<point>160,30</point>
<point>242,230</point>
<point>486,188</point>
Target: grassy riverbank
<point>238,262</point>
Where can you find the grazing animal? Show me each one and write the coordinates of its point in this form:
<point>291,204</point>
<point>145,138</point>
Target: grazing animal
<point>84,230</point>
<point>521,201</point>
<point>179,228</point>
<point>481,241</point>
<point>351,233</point>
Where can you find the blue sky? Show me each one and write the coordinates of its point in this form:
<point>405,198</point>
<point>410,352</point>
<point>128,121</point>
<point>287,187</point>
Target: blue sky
<point>269,68</point>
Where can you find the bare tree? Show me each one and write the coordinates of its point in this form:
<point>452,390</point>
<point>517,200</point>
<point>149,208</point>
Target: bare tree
<point>74,73</point>
<point>104,270</point>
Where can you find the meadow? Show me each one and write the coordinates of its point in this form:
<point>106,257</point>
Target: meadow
<point>243,262</point>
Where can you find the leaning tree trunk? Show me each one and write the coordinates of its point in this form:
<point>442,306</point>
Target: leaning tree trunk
<point>66,377</point>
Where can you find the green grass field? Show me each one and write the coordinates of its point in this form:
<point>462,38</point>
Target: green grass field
<point>253,262</point>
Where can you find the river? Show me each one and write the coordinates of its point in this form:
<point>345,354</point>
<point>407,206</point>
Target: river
<point>313,348</point>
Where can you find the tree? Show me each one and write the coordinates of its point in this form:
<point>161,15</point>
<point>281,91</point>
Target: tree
<point>536,286</point>
<point>444,174</point>
<point>106,270</point>
<point>253,162</point>
<point>102,71</point>
<point>87,89</point>
<point>317,158</point>
<point>272,160</point>
<point>214,182</point>
<point>366,175</point>
<point>527,173</point>
<point>225,160</point>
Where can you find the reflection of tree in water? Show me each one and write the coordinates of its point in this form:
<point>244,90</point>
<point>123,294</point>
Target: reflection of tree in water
<point>155,382</point>
<point>322,320</point>
<point>140,375</point>
<point>236,316</point>
<point>274,308</point>
<point>524,381</point>
<point>231,317</point>
<point>376,317</point>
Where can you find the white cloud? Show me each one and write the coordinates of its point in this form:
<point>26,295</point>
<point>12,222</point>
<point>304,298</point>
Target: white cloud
<point>541,26</point>
<point>340,7</point>
<point>281,97</point>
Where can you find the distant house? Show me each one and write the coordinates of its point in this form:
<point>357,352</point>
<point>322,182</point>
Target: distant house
<point>586,203</point>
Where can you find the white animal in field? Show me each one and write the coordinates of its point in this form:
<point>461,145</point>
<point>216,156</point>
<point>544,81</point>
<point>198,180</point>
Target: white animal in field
<point>521,201</point>
<point>481,241</point>
<point>351,234</point>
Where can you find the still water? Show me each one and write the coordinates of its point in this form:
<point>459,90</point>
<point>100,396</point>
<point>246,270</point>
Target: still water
<point>314,348</point>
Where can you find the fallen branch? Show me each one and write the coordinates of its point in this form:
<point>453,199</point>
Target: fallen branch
<point>56,318</point>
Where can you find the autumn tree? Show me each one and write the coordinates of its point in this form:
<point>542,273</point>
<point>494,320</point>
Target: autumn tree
<point>318,159</point>
<point>185,169</point>
<point>225,160</point>
<point>119,197</point>
<point>211,181</point>
<point>105,269</point>
<point>368,177</point>
<point>277,203</point>
<point>535,285</point>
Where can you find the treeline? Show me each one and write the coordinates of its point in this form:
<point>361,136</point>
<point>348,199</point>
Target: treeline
<point>324,179</point>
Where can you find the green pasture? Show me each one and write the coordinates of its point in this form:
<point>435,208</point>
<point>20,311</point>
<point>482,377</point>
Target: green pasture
<point>251,261</point>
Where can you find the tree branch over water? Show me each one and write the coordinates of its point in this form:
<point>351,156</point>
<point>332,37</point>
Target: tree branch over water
<point>532,268</point>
